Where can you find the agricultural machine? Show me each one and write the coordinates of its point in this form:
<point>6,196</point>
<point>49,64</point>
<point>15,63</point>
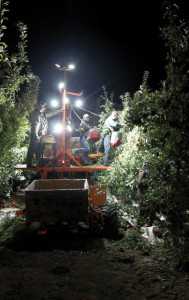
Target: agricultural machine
<point>65,190</point>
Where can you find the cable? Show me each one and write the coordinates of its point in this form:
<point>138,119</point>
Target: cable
<point>100,88</point>
<point>76,114</point>
<point>92,113</point>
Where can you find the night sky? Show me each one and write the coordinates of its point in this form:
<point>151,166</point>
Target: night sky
<point>112,44</point>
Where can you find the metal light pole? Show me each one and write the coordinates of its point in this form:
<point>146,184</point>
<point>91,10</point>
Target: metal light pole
<point>65,142</point>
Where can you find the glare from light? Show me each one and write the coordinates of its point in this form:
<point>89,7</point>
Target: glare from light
<point>71,66</point>
<point>69,128</point>
<point>54,103</point>
<point>61,85</point>
<point>78,103</point>
<point>58,66</point>
<point>66,100</point>
<point>58,128</point>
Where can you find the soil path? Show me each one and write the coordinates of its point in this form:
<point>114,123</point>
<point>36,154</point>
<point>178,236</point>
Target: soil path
<point>84,268</point>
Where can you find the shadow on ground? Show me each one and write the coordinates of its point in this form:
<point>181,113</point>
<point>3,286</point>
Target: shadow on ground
<point>54,238</point>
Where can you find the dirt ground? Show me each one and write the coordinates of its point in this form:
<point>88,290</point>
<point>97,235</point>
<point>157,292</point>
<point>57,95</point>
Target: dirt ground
<point>81,267</point>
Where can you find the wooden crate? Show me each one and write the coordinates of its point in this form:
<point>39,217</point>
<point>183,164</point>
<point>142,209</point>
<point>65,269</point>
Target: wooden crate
<point>57,200</point>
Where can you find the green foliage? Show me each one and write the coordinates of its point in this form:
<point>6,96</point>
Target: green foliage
<point>125,167</point>
<point>9,228</point>
<point>7,168</point>
<point>18,94</point>
<point>151,168</point>
<point>134,241</point>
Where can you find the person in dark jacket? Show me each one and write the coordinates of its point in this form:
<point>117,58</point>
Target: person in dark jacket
<point>39,127</point>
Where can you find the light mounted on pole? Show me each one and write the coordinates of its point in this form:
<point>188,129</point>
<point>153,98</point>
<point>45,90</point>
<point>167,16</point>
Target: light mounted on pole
<point>58,128</point>
<point>69,67</point>
<point>54,103</point>
<point>78,103</point>
<point>61,86</point>
<point>66,100</point>
<point>65,130</point>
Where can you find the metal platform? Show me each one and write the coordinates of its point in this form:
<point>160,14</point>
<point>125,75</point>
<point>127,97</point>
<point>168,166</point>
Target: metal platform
<point>44,170</point>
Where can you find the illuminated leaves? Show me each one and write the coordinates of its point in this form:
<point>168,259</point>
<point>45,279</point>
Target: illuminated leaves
<point>156,139</point>
<point>18,94</point>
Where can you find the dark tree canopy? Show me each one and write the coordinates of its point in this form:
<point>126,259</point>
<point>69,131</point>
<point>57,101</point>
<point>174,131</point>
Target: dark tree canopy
<point>153,162</point>
<point>18,94</point>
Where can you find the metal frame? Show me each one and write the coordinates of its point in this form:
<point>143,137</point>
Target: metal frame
<point>65,169</point>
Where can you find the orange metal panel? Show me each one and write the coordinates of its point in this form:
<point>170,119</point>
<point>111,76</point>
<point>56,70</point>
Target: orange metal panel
<point>65,169</point>
<point>73,93</point>
<point>97,195</point>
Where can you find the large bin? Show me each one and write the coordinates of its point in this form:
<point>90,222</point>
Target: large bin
<point>57,200</point>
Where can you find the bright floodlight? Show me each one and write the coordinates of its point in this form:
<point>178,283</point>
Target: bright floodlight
<point>58,128</point>
<point>58,66</point>
<point>69,128</point>
<point>54,103</point>
<point>66,100</point>
<point>71,66</point>
<point>79,103</point>
<point>61,85</point>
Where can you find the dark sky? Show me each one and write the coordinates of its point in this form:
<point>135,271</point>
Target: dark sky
<point>111,43</point>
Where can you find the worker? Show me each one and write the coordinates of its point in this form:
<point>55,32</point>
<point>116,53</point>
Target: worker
<point>111,126</point>
<point>84,130</point>
<point>39,129</point>
<point>39,126</point>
